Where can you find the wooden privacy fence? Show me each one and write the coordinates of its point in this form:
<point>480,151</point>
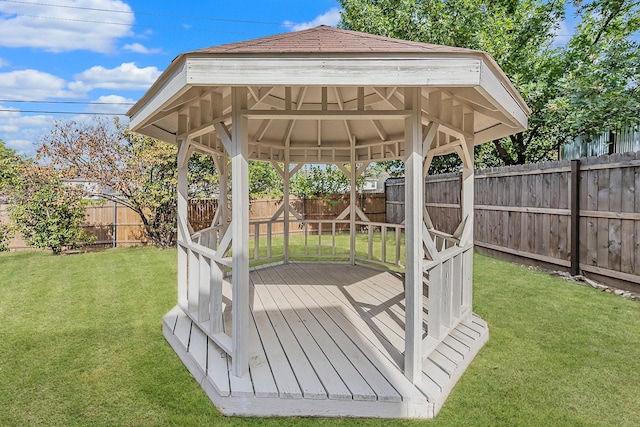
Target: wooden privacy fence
<point>540,213</point>
<point>111,224</point>
<point>117,225</point>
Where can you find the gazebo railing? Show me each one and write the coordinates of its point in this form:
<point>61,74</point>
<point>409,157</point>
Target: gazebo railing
<point>201,272</point>
<point>448,279</point>
<point>328,240</point>
<point>385,251</point>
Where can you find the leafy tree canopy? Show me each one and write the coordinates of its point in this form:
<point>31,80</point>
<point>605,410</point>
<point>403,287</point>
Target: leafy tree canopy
<point>581,88</point>
<point>47,211</point>
<point>133,170</point>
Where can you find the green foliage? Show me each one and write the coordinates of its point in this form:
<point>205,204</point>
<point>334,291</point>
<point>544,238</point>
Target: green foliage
<point>47,211</point>
<point>601,89</point>
<point>5,235</point>
<point>8,163</point>
<point>130,169</point>
<point>264,180</point>
<point>315,180</point>
<point>583,88</point>
<point>204,179</point>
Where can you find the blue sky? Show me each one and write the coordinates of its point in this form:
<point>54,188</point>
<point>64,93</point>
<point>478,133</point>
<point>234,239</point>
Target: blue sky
<point>108,52</point>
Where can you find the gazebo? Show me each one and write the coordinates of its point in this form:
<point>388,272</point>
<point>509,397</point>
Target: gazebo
<point>275,317</point>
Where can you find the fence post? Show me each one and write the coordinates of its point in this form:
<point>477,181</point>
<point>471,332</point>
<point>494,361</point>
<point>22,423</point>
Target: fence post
<point>115,224</point>
<point>575,217</point>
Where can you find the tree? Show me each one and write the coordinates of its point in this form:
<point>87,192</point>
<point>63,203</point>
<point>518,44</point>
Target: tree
<point>264,180</point>
<point>135,171</point>
<point>47,211</point>
<point>601,90</point>
<point>580,88</point>
<point>8,163</point>
<point>316,180</point>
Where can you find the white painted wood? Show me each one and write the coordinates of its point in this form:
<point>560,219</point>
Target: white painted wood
<point>377,324</point>
<point>358,333</point>
<point>182,330</point>
<point>309,383</point>
<point>403,81</point>
<point>198,348</point>
<point>183,275</point>
<point>456,289</point>
<point>435,302</point>
<point>285,379</point>
<point>193,284</point>
<point>286,204</point>
<point>332,385</point>
<point>217,369</point>
<point>170,86</point>
<point>352,202</point>
<point>326,115</point>
<point>215,298</point>
<point>169,319</point>
<point>467,212</point>
<point>495,88</point>
<point>353,70</point>
<point>298,291</point>
<point>447,365</point>
<point>261,376</point>
<point>355,384</point>
<point>414,200</point>
<point>240,230</point>
<point>183,233</point>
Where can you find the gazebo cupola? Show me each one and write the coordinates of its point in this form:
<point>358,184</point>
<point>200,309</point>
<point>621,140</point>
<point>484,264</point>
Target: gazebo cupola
<point>266,335</point>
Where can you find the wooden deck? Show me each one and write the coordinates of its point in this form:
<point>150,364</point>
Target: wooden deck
<point>328,340</point>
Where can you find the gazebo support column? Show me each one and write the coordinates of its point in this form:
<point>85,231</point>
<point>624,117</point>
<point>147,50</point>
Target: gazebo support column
<point>414,201</point>
<point>286,177</point>
<point>240,233</point>
<point>467,201</point>
<point>352,201</point>
<point>183,231</point>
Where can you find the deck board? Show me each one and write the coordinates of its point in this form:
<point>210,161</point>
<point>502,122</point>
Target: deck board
<point>330,337</point>
<point>285,324</point>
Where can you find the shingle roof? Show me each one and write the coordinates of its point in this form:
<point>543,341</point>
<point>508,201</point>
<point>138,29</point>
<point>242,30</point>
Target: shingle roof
<point>329,40</point>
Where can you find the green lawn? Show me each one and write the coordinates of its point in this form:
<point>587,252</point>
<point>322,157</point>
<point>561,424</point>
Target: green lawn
<point>81,344</point>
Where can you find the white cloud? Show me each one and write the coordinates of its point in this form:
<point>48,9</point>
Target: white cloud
<point>562,33</point>
<point>3,63</point>
<point>33,85</point>
<point>126,76</point>
<point>22,132</point>
<point>138,48</point>
<point>65,26</point>
<point>331,18</point>
<point>20,144</point>
<point>111,105</point>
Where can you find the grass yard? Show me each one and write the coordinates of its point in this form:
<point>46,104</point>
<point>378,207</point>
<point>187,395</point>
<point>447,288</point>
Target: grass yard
<point>81,344</point>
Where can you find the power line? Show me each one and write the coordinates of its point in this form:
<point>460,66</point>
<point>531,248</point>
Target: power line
<point>124,23</point>
<point>61,112</point>
<point>166,15</point>
<point>67,102</point>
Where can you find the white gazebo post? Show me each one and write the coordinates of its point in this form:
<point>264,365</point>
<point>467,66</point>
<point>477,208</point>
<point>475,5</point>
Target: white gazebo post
<point>467,216</point>
<point>413,221</point>
<point>240,231</point>
<point>182,214</point>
